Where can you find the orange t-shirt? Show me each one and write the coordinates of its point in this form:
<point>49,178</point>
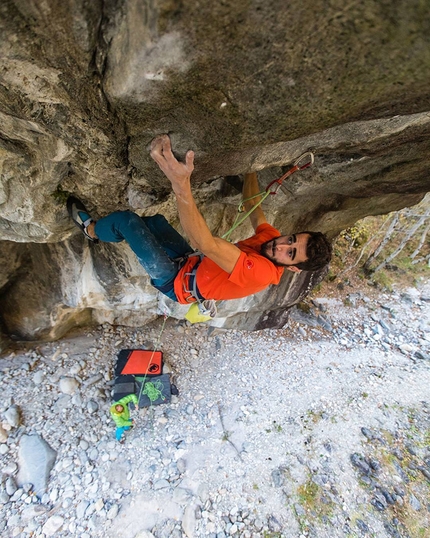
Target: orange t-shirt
<point>251,274</point>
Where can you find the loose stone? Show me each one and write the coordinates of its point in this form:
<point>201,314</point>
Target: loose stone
<point>414,502</point>
<point>13,416</point>
<point>10,486</point>
<point>3,434</point>
<point>68,385</point>
<point>53,525</point>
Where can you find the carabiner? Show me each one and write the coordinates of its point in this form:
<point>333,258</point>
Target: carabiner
<point>278,182</point>
<point>302,156</point>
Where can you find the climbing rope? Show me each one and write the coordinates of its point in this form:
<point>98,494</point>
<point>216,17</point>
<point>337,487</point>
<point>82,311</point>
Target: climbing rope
<point>272,188</point>
<point>153,389</point>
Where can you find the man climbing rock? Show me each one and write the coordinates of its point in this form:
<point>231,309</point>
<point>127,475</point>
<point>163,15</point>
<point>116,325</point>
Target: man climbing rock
<point>222,270</point>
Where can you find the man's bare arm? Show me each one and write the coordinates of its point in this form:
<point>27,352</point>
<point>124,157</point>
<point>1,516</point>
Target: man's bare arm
<point>250,188</point>
<point>221,252</point>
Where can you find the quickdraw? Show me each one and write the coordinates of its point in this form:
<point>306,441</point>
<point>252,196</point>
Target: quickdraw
<point>268,191</point>
<point>291,171</point>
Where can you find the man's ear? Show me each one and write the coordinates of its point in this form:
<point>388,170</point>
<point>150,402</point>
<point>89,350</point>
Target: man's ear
<point>293,268</point>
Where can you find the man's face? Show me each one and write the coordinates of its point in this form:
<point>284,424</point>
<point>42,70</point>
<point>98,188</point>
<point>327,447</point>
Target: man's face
<point>287,250</point>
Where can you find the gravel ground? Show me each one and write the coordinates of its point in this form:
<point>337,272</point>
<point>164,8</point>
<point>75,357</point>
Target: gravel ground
<point>321,429</point>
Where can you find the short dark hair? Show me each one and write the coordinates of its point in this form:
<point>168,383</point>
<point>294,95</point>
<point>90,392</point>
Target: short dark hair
<point>318,252</point>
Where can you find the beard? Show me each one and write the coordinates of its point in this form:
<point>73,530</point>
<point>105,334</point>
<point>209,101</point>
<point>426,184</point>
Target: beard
<point>267,250</point>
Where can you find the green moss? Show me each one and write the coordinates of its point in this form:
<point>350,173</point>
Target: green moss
<point>226,436</point>
<point>60,195</point>
<point>356,235</point>
<point>308,494</point>
<point>277,427</point>
<point>312,417</point>
<point>382,280</point>
<point>304,307</point>
<point>317,288</point>
<point>314,500</point>
<point>388,436</point>
<point>388,460</point>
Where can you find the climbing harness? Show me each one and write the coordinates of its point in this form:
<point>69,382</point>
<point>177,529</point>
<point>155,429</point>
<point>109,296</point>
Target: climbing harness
<point>272,188</point>
<point>193,290</point>
<point>202,309</point>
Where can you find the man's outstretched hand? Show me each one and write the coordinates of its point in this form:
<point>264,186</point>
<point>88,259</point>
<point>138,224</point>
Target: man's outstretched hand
<point>195,227</point>
<point>176,172</point>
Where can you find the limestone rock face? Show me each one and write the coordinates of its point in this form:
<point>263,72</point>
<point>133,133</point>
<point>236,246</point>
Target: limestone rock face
<point>248,85</point>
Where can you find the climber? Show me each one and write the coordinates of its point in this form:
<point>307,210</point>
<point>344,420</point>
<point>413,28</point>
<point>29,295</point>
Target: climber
<point>223,270</point>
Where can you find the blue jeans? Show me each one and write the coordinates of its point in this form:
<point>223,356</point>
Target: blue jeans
<point>156,244</point>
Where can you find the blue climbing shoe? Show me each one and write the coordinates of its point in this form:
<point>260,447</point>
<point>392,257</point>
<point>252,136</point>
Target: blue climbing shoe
<point>80,216</point>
